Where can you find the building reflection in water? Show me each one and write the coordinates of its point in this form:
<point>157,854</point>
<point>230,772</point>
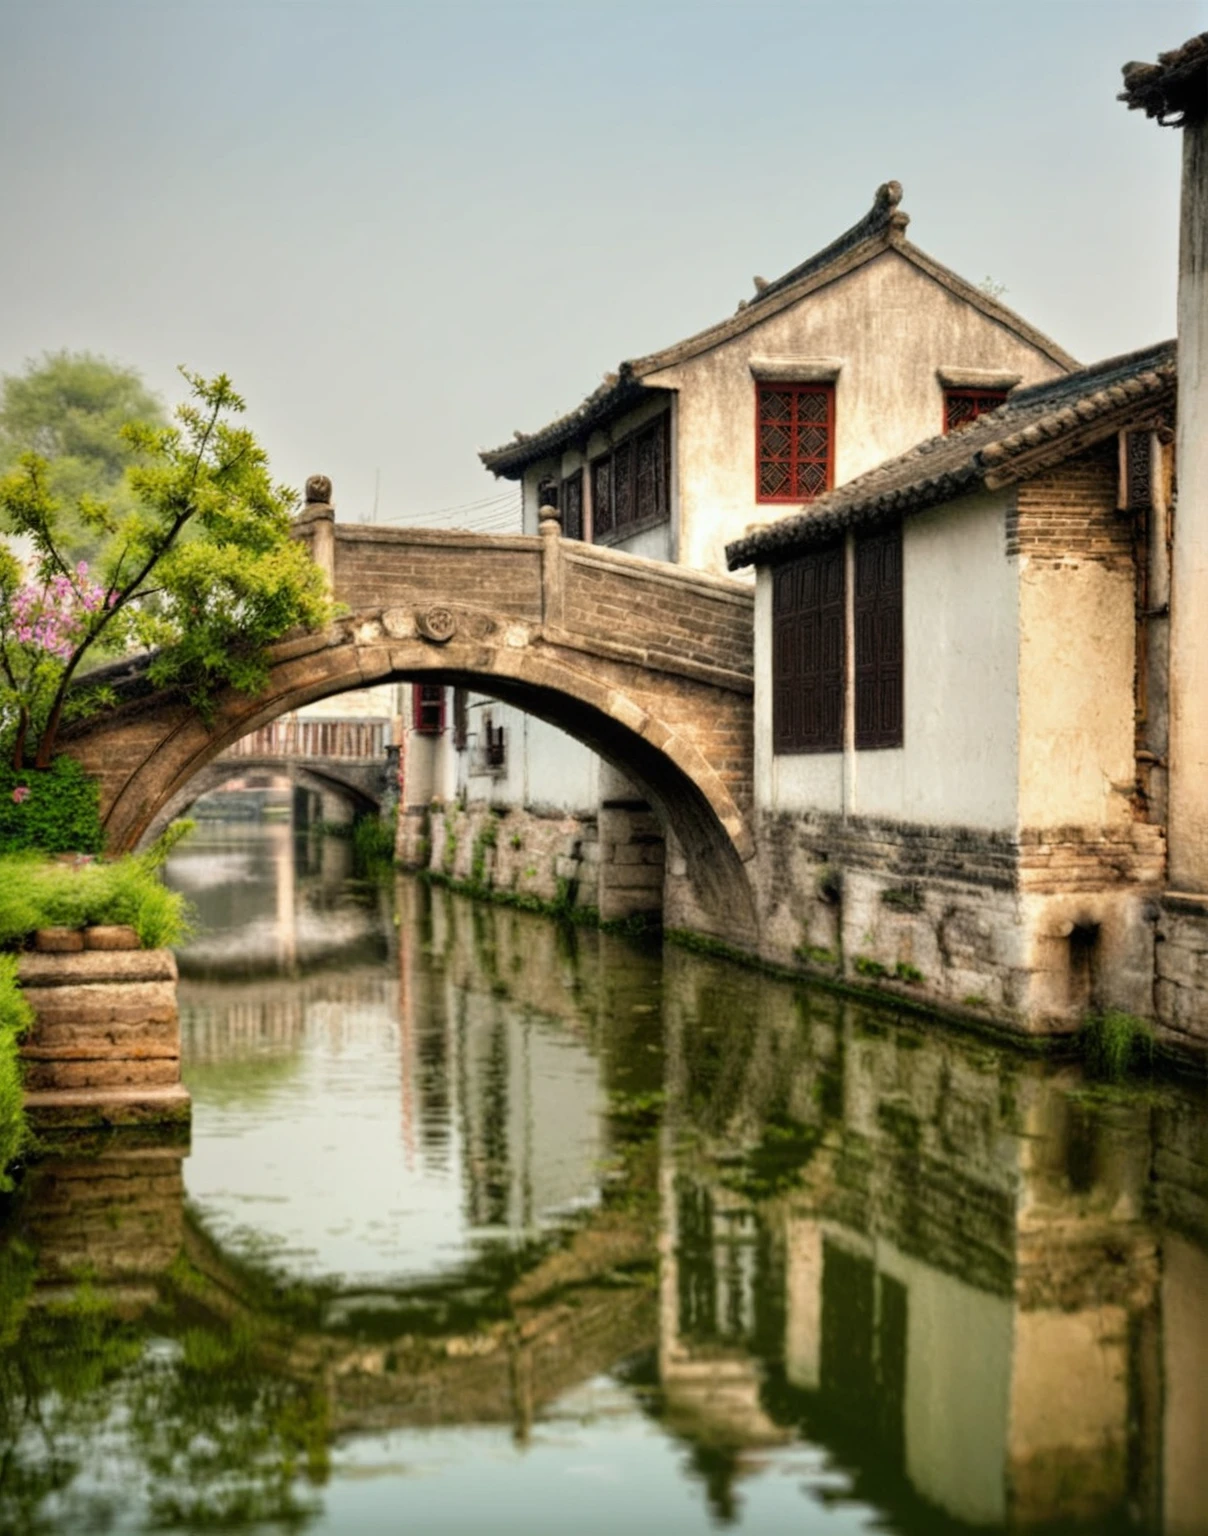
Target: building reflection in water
<point>975,1286</point>
<point>982,1285</point>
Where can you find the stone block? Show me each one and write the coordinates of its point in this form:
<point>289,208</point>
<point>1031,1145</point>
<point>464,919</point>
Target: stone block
<point>58,941</point>
<point>110,936</point>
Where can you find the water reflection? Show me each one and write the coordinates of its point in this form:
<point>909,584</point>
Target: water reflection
<point>470,1194</point>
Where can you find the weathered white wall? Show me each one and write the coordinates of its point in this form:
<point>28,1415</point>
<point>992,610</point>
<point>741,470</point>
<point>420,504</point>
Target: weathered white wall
<point>1077,660</point>
<point>1188,820</point>
<point>957,764</point>
<point>891,327</point>
<point>546,770</point>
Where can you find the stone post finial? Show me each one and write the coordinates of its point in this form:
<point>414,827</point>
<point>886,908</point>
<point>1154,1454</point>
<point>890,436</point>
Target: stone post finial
<point>318,491</point>
<point>549,521</point>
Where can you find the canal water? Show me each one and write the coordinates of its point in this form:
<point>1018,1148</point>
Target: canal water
<point>491,1225</point>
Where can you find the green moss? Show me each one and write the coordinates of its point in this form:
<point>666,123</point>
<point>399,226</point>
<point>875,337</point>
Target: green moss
<point>450,851</point>
<point>865,965</point>
<point>904,971</point>
<point>905,898</point>
<point>516,841</point>
<point>975,1000</point>
<point>817,955</point>
<point>829,884</point>
<point>485,839</point>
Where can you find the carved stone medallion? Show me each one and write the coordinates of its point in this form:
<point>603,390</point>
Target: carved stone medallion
<point>437,624</point>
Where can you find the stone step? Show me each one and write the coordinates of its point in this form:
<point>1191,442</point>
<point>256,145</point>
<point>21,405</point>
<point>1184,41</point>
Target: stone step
<point>82,1108</point>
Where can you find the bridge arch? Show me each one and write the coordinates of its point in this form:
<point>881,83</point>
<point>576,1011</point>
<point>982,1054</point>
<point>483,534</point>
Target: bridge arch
<point>148,750</point>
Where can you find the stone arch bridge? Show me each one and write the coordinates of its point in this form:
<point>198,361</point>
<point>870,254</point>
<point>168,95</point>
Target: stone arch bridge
<point>648,664</point>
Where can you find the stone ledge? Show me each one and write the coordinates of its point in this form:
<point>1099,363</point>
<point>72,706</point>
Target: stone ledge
<point>96,965</point>
<point>1190,902</point>
<point>85,1108</point>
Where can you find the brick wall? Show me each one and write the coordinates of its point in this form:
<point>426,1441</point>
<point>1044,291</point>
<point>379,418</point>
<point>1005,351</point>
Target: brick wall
<point>1070,513</point>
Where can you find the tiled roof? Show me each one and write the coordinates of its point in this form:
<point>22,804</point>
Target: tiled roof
<point>882,228</point>
<point>997,448</point>
<point>1174,89</point>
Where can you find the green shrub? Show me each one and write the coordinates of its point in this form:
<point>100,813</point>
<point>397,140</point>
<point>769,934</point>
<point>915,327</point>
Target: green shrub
<point>15,1017</point>
<point>59,813</point>
<point>36,894</point>
<point>373,840</point>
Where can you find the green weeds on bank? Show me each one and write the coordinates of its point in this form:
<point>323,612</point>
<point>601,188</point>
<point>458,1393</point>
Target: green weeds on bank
<point>1116,1046</point>
<point>15,1018</point>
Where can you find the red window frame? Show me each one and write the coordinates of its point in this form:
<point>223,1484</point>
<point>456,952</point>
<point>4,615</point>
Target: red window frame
<point>962,407</point>
<point>428,706</point>
<point>794,434</point>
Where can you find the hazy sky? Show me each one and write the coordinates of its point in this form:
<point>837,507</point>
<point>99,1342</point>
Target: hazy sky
<point>406,230</point>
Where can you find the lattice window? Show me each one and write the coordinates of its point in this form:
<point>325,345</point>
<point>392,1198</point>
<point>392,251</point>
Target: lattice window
<point>879,647</point>
<point>571,503</point>
<point>794,427</point>
<point>630,487</point>
<point>601,497</point>
<point>808,652</point>
<point>962,406</point>
<point>428,703</point>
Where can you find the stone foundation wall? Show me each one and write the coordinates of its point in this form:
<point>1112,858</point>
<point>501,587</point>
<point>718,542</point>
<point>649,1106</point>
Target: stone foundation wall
<point>105,1045</point>
<point>1181,971</point>
<point>553,857</point>
<point>1033,933</point>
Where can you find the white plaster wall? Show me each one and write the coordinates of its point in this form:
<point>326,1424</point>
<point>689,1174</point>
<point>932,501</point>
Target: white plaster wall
<point>892,327</point>
<point>1077,662</point>
<point>546,770</point>
<point>960,622</point>
<point>957,764</point>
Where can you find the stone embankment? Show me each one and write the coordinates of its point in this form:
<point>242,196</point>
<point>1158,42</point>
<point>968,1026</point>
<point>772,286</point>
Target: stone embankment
<point>104,1049</point>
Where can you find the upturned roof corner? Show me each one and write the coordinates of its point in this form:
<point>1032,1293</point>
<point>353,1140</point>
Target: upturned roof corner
<point>1175,89</point>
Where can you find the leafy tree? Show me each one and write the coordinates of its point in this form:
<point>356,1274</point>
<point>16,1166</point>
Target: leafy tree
<point>199,567</point>
<point>70,408</point>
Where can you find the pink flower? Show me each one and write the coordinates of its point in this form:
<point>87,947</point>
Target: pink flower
<point>20,793</point>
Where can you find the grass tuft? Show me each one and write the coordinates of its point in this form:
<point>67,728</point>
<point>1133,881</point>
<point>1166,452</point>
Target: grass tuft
<point>1116,1046</point>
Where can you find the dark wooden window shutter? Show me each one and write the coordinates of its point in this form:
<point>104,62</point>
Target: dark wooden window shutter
<point>571,503</point>
<point>601,497</point>
<point>808,652</point>
<point>878,615</point>
<point>428,702</point>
